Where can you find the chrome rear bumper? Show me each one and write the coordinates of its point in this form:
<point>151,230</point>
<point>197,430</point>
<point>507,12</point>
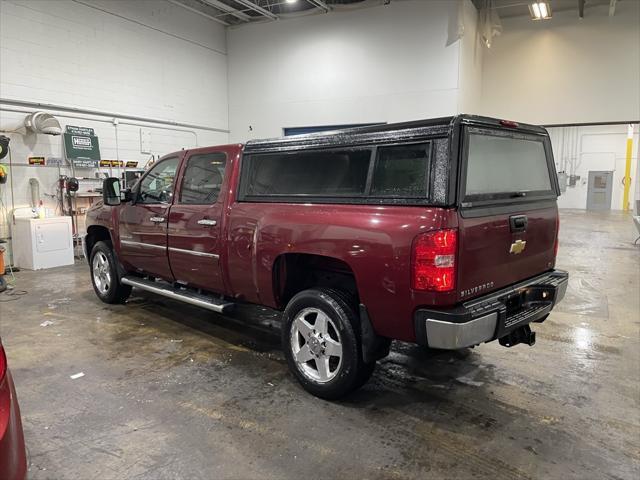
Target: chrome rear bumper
<point>451,336</point>
<point>492,316</point>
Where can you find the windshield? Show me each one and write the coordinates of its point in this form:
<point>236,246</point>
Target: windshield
<point>506,166</point>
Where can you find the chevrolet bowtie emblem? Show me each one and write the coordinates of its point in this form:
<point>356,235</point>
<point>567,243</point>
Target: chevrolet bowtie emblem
<point>518,247</point>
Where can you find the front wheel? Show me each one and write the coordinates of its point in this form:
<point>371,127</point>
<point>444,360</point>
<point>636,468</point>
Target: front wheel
<point>321,343</point>
<point>104,275</point>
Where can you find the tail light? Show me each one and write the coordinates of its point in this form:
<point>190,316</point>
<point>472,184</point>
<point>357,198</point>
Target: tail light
<point>557,244</point>
<point>433,261</point>
<point>3,364</point>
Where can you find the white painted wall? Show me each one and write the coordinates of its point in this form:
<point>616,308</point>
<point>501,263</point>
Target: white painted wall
<point>161,61</point>
<point>577,150</point>
<point>145,58</point>
<point>470,62</point>
<point>382,64</point>
<point>565,70</point>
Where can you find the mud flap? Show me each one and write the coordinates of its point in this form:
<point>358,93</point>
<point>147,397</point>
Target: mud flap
<point>374,347</point>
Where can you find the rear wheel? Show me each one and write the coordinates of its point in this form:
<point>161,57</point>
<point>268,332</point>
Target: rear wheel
<point>104,275</point>
<point>321,344</point>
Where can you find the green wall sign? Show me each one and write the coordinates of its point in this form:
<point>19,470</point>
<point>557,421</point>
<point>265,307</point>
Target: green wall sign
<point>81,146</point>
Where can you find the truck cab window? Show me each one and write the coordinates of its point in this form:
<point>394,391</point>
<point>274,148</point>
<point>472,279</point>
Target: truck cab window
<point>203,177</point>
<point>157,185</point>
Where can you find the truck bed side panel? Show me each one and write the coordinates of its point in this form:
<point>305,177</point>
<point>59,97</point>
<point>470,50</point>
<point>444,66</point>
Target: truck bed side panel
<point>375,241</point>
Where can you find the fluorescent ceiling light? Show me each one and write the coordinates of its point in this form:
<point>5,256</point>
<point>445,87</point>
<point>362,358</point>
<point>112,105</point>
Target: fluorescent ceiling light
<point>292,1</point>
<point>535,8</point>
<point>540,10</point>
<point>543,10</point>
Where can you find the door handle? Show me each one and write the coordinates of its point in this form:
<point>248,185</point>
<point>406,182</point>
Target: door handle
<point>207,222</point>
<point>157,219</point>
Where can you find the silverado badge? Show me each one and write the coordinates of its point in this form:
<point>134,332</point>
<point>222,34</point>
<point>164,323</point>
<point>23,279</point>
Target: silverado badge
<point>518,247</point>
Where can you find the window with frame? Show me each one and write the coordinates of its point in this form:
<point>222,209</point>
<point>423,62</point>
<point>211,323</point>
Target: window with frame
<point>202,179</point>
<point>401,171</point>
<point>505,166</point>
<point>157,185</point>
<point>329,173</point>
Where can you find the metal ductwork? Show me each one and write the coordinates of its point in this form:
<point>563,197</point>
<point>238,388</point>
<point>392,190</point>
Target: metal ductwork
<point>42,122</point>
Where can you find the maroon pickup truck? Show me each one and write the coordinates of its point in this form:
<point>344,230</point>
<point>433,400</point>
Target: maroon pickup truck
<point>441,232</point>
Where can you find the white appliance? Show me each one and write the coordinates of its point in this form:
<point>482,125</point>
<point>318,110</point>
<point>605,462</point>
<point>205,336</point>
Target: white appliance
<point>42,242</point>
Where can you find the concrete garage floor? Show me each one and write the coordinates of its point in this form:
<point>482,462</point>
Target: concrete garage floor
<point>172,391</point>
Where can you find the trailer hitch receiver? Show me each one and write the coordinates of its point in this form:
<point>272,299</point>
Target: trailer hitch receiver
<point>519,335</point>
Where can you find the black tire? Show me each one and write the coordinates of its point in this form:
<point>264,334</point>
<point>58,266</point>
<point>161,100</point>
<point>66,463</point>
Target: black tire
<point>341,374</point>
<point>104,274</point>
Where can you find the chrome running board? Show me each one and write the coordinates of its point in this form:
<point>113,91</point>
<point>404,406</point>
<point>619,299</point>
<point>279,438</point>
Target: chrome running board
<point>186,296</point>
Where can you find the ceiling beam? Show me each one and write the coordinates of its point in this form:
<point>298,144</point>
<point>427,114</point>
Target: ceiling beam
<point>581,8</point>
<point>227,9</point>
<point>258,8</point>
<point>197,12</point>
<point>612,7</point>
<point>320,4</point>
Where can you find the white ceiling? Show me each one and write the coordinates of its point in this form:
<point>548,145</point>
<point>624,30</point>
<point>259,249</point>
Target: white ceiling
<point>235,12</point>
<point>516,8</point>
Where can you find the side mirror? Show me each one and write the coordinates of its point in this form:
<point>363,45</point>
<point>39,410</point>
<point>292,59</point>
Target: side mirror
<point>111,191</point>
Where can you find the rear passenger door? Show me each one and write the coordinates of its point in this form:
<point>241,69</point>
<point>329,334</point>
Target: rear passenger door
<point>194,235</point>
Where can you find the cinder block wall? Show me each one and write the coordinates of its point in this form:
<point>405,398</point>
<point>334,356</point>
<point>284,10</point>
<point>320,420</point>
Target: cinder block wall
<point>148,59</point>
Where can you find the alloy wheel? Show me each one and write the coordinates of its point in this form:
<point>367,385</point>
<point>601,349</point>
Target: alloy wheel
<point>316,345</point>
<point>101,272</point>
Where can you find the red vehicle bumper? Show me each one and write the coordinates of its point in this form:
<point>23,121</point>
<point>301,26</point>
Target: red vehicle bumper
<point>13,456</point>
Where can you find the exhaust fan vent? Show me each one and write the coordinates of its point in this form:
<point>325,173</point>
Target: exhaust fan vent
<point>41,122</point>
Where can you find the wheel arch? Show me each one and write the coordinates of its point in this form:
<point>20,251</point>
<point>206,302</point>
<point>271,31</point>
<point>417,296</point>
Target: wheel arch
<point>95,234</point>
<point>295,272</point>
